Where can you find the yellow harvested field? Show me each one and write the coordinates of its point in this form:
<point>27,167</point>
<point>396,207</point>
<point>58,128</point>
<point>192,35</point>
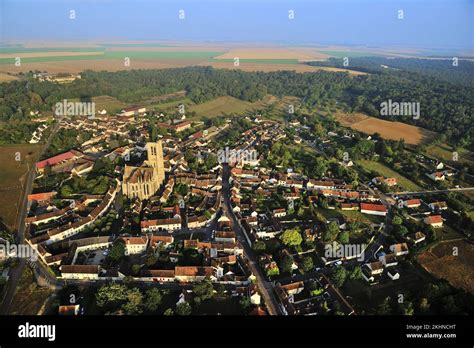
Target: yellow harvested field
<point>6,77</point>
<point>13,176</point>
<point>276,67</point>
<point>456,269</point>
<point>387,129</point>
<point>272,53</point>
<point>49,54</point>
<point>77,66</point>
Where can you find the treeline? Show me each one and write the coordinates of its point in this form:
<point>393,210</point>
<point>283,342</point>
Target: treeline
<point>452,70</point>
<point>445,107</point>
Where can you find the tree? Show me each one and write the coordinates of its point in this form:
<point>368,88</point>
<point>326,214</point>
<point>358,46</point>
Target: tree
<point>343,237</point>
<point>168,312</point>
<point>151,260</point>
<point>402,230</point>
<point>331,231</point>
<point>259,247</point>
<point>111,295</point>
<point>134,304</point>
<point>286,263</point>
<point>153,300</point>
<point>183,308</point>
<point>339,276</point>
<point>292,237</point>
<point>424,305</point>
<point>356,273</point>
<point>273,271</point>
<point>397,220</point>
<point>307,264</point>
<point>204,290</point>
<point>385,308</point>
<point>117,252</point>
<point>245,303</point>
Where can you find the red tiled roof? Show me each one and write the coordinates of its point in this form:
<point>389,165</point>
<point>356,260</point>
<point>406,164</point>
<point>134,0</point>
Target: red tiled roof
<point>54,160</point>
<point>41,196</point>
<point>435,219</point>
<point>374,207</point>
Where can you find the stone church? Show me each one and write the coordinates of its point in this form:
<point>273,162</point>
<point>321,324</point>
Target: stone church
<point>144,181</point>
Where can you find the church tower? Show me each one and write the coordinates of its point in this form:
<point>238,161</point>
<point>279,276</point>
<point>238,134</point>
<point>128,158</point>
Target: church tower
<point>155,160</point>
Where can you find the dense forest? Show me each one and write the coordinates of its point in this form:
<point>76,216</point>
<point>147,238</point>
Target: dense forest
<point>445,107</point>
<point>450,70</point>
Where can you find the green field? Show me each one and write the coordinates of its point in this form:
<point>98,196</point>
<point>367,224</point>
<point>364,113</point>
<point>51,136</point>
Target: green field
<point>445,152</point>
<point>342,54</point>
<point>380,168</point>
<point>144,55</point>
<point>259,61</point>
<point>111,104</point>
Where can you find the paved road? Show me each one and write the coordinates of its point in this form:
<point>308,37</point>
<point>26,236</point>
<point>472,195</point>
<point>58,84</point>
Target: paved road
<point>16,272</point>
<point>265,287</point>
<point>382,236</point>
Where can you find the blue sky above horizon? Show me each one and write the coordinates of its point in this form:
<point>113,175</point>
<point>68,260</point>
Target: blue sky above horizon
<point>427,24</point>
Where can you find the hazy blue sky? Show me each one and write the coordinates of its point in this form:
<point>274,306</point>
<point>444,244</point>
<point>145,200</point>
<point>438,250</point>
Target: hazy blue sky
<point>435,23</point>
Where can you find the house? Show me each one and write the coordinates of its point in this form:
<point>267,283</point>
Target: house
<point>382,180</point>
<point>81,272</point>
<point>279,212</point>
<point>134,245</point>
<point>161,225</point>
<point>192,273</point>
<point>127,112</point>
<point>225,237</point>
<point>41,197</point>
<point>437,176</point>
<point>412,203</point>
<point>373,209</point>
<point>158,275</point>
<point>399,249</point>
<point>68,310</point>
<point>418,237</point>
<point>370,270</point>
<point>435,206</point>
<point>388,260</point>
<point>197,221</point>
<point>349,206</point>
<point>54,161</point>
<point>434,221</point>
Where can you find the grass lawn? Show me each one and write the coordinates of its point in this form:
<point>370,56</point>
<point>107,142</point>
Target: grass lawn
<point>12,176</point>
<point>29,297</point>
<point>445,153</point>
<point>380,168</point>
<point>111,104</point>
<point>222,105</point>
<point>364,218</point>
<point>447,233</point>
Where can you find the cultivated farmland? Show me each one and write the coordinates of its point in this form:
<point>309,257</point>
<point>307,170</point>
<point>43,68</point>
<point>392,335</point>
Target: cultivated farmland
<point>12,177</point>
<point>440,261</point>
<point>387,129</point>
